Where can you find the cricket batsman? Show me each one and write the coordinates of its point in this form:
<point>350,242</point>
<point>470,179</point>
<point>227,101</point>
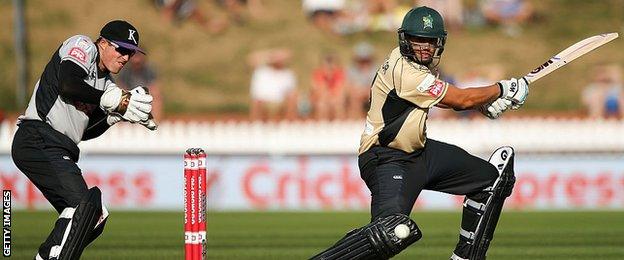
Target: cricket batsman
<point>397,160</point>
<point>76,99</point>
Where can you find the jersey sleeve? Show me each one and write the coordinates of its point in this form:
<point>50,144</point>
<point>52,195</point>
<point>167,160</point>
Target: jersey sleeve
<point>80,50</point>
<point>417,85</point>
<point>110,81</point>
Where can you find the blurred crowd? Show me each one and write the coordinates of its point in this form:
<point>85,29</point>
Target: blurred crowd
<point>603,97</point>
<point>234,12</point>
<point>337,88</point>
<point>352,16</point>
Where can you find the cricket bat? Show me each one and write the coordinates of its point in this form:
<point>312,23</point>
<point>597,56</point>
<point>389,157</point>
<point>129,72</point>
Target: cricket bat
<point>569,54</point>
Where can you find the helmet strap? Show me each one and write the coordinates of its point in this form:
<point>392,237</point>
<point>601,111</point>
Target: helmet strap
<point>434,63</point>
<point>405,47</point>
<point>408,51</point>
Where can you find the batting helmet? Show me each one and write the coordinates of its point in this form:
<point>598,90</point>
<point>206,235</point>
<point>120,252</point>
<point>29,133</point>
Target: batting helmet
<point>422,22</point>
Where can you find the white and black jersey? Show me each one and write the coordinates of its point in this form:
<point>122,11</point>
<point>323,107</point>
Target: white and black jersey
<point>71,117</point>
<point>65,109</point>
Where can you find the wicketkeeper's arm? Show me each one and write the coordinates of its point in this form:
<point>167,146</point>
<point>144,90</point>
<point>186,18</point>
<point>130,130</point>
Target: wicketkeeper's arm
<point>98,124</point>
<point>73,87</point>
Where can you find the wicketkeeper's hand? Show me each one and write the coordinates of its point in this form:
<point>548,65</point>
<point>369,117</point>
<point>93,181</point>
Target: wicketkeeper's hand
<point>149,123</point>
<point>496,108</point>
<point>112,119</point>
<point>132,107</point>
<point>514,90</point>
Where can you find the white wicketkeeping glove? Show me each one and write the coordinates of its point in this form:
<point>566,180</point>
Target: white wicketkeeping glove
<point>112,119</point>
<point>132,107</point>
<point>514,90</point>
<point>496,108</point>
<point>149,123</point>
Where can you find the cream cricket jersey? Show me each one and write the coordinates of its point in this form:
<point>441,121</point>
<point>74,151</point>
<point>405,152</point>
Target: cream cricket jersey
<point>401,95</point>
<point>68,117</point>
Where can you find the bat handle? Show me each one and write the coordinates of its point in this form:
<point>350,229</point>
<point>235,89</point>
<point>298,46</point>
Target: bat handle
<point>527,80</point>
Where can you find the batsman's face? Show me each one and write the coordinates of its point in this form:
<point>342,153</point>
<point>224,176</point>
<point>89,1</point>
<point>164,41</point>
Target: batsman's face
<point>113,57</point>
<point>424,48</point>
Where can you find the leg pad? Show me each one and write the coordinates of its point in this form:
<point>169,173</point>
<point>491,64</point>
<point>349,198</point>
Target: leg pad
<point>502,159</point>
<point>83,221</point>
<point>376,240</point>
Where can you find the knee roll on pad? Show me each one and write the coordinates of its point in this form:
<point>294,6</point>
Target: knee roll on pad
<point>503,160</point>
<point>377,240</point>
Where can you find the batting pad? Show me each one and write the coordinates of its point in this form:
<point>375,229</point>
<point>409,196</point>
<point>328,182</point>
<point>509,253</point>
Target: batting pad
<point>503,160</point>
<point>376,240</point>
<point>83,220</point>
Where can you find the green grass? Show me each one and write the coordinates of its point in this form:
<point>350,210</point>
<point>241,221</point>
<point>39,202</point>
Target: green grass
<point>158,235</point>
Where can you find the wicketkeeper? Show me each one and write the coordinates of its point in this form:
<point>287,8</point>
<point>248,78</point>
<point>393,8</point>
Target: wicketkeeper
<point>74,100</point>
<point>397,160</point>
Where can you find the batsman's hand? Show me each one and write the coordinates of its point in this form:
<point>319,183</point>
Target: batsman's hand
<point>150,123</point>
<point>496,108</point>
<point>132,107</point>
<point>514,90</point>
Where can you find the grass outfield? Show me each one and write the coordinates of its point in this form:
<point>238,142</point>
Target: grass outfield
<point>158,235</point>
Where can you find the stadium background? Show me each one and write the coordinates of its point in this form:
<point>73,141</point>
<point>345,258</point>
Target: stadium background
<point>566,161</point>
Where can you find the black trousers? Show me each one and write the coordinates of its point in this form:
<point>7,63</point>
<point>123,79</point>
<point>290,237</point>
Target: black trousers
<point>396,178</point>
<point>48,158</point>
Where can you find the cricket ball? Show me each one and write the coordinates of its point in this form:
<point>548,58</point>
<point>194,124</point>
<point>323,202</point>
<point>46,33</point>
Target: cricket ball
<point>401,231</point>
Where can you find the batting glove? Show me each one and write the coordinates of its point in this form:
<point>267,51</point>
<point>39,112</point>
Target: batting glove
<point>496,108</point>
<point>514,90</point>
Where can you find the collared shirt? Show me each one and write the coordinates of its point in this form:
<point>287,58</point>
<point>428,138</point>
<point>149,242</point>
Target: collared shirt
<point>71,118</point>
<point>401,95</point>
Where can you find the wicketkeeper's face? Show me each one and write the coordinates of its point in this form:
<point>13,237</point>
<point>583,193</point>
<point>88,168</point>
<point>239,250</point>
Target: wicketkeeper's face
<point>114,57</point>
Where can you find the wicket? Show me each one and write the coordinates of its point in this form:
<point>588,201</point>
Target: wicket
<point>195,204</point>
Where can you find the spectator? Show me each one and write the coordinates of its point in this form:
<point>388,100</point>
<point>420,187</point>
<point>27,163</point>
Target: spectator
<point>451,10</point>
<point>359,77</point>
<point>138,72</point>
<point>370,15</point>
<point>180,10</point>
<point>509,14</point>
<point>329,89</point>
<point>237,10</point>
<point>604,96</point>
<point>353,18</point>
<point>324,13</point>
<point>385,15</point>
<point>273,85</point>
<point>479,76</point>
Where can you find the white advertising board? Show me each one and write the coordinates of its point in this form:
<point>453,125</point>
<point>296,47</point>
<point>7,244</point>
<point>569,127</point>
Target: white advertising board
<point>154,182</point>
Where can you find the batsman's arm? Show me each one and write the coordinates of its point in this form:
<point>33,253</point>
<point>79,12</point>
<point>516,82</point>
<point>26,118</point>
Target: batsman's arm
<point>469,98</point>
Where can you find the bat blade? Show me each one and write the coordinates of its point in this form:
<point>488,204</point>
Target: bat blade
<point>569,54</point>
